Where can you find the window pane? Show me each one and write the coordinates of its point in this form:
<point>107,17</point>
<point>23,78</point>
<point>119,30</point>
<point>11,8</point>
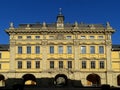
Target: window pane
<point>28,37</point>
<point>92,49</point>
<point>60,64</point>
<point>69,49</point>
<point>19,37</point>
<point>93,64</point>
<point>83,64</point>
<point>51,37</point>
<point>37,37</point>
<point>91,37</point>
<point>19,49</point>
<point>83,37</point>
<point>68,37</point>
<point>69,64</point>
<point>51,49</point>
<point>51,64</point>
<point>101,64</point>
<point>37,49</point>
<point>100,37</point>
<point>83,49</point>
<point>101,49</point>
<point>28,49</point>
<point>28,64</point>
<point>19,64</point>
<point>60,49</point>
<point>37,64</point>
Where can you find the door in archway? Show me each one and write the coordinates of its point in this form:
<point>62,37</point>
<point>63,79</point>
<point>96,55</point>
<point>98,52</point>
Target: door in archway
<point>29,79</point>
<point>93,80</point>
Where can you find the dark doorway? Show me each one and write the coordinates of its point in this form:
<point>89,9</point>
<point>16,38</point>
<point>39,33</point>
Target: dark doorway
<point>118,80</point>
<point>2,80</point>
<point>29,79</point>
<point>93,80</point>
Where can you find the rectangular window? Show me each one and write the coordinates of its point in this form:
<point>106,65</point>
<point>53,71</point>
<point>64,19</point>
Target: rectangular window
<point>92,49</point>
<point>28,64</point>
<point>69,49</point>
<point>0,55</point>
<point>51,37</point>
<point>68,37</point>
<point>28,37</point>
<point>19,37</point>
<point>51,49</point>
<point>93,64</point>
<point>37,37</point>
<point>100,37</point>
<point>28,49</point>
<point>83,49</point>
<point>102,64</point>
<point>69,64</point>
<point>37,64</point>
<point>19,49</point>
<point>51,64</point>
<point>37,49</point>
<point>60,49</point>
<point>101,49</point>
<point>92,37</point>
<point>60,64</point>
<point>19,64</point>
<point>83,64</point>
<point>83,37</point>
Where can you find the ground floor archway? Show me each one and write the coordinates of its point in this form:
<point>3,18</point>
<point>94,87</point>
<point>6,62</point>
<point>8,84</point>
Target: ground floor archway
<point>60,80</point>
<point>93,80</point>
<point>2,80</point>
<point>118,80</point>
<point>29,79</point>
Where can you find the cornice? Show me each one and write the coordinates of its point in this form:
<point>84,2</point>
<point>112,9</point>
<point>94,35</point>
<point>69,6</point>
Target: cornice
<point>34,31</point>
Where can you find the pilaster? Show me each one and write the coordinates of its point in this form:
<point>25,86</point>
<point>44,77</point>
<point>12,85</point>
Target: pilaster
<point>76,55</point>
<point>44,54</point>
<point>12,55</point>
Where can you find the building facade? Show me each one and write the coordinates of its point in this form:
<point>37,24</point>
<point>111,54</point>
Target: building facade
<point>61,51</point>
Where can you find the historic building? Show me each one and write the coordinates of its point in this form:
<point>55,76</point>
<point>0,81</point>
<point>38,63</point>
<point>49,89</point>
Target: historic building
<point>61,51</point>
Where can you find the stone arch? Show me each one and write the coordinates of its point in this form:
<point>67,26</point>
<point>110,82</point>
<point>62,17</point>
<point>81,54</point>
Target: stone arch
<point>118,80</point>
<point>29,79</point>
<point>60,80</point>
<point>93,80</point>
<point>2,80</point>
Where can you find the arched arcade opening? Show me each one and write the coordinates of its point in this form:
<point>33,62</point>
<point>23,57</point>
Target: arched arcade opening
<point>93,80</point>
<point>29,79</point>
<point>2,80</point>
<point>60,80</point>
<point>118,80</point>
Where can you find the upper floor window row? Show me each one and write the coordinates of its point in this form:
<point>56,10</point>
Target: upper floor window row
<point>38,37</point>
<point>28,37</point>
<point>61,50</point>
<point>66,37</point>
<point>91,37</point>
<point>92,49</point>
<point>29,49</point>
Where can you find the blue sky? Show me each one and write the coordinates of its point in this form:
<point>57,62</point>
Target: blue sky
<point>86,11</point>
